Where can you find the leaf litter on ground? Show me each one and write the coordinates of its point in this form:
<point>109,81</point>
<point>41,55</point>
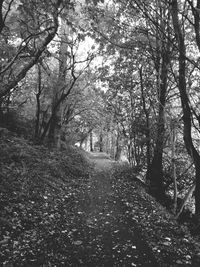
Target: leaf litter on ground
<point>43,222</point>
<point>170,242</point>
<point>38,192</point>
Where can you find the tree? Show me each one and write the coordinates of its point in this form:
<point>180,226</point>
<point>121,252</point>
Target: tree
<point>187,114</point>
<point>24,41</point>
<point>162,58</point>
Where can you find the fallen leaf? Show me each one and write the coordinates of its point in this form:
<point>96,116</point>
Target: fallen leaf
<point>78,242</point>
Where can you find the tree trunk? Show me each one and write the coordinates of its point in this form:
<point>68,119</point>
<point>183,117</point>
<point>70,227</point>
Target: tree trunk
<point>21,72</point>
<point>52,129</point>
<point>173,143</point>
<point>186,198</point>
<point>58,90</point>
<point>101,141</point>
<point>197,187</point>
<point>161,61</point>
<point>147,133</point>
<point>38,108</point>
<point>81,143</point>
<point>118,148</point>
<point>156,167</point>
<point>187,115</point>
<point>91,142</point>
<point>1,16</point>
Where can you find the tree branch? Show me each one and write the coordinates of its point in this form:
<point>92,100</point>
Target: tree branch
<point>22,73</point>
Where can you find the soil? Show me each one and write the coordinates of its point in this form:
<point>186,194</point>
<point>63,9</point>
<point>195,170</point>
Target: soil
<point>71,208</point>
<point>107,235</point>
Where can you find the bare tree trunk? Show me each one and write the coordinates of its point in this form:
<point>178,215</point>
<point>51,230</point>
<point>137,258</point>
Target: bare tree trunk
<point>101,141</point>
<point>59,129</point>
<point>156,168</point>
<point>52,129</point>
<point>56,122</point>
<point>38,108</point>
<point>173,143</point>
<point>146,112</point>
<point>91,142</point>
<point>162,60</point>
<point>1,16</point>
<point>118,147</point>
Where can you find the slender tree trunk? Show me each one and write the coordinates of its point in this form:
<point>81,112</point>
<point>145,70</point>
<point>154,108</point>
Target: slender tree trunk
<point>129,153</point>
<point>196,15</point>
<point>1,16</point>
<point>156,167</point>
<point>1,112</point>
<point>187,115</point>
<point>173,143</point>
<point>56,122</point>
<point>118,148</point>
<point>113,143</point>
<point>38,108</point>
<point>59,128</point>
<point>81,143</point>
<point>197,188</point>
<point>101,141</point>
<point>186,198</point>
<point>91,141</point>
<point>162,60</point>
<point>52,129</point>
<point>146,112</point>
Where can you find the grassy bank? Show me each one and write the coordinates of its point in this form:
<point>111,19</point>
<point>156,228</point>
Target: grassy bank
<point>39,189</point>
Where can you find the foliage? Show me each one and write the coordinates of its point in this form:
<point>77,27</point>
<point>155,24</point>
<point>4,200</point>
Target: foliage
<point>143,92</point>
<point>120,76</point>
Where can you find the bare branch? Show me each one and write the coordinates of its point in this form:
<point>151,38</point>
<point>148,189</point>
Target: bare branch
<point>8,10</point>
<point>1,16</point>
<point>21,48</point>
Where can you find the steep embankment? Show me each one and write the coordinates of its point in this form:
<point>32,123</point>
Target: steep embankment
<point>138,220</point>
<point>171,243</point>
<point>39,190</point>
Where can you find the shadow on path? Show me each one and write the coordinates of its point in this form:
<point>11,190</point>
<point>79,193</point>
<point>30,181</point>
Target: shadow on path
<point>106,233</point>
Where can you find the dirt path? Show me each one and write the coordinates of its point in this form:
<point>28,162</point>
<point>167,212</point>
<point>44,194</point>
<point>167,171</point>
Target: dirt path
<point>105,234</point>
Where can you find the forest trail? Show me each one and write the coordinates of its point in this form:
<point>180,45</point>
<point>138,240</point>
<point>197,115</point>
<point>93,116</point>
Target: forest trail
<point>105,233</point>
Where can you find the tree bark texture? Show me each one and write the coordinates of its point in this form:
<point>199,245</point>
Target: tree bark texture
<point>156,167</point>
<point>187,115</point>
<point>161,60</point>
<point>38,107</point>
<point>146,112</point>
<point>20,73</point>
<point>101,141</point>
<point>91,142</point>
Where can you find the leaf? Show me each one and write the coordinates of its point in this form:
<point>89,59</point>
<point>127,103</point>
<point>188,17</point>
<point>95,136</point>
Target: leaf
<point>4,241</point>
<point>78,242</point>
<point>166,243</point>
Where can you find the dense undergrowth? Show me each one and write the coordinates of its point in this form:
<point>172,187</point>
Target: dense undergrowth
<point>38,192</point>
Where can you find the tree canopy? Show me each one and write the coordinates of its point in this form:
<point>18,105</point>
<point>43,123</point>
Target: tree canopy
<point>116,76</point>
